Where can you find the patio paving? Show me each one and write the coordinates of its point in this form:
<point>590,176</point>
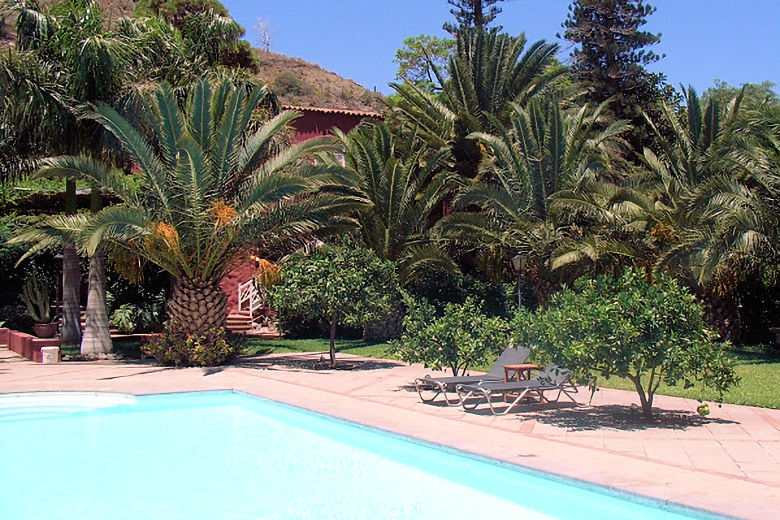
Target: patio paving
<point>728,462</point>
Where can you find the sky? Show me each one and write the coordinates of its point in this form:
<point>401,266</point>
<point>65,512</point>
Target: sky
<point>737,41</point>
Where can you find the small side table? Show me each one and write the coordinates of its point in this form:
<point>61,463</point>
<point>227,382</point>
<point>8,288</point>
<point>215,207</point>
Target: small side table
<point>519,372</point>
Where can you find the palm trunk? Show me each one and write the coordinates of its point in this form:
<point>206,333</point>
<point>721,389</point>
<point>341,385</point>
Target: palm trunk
<point>71,310</point>
<point>97,338</point>
<point>71,280</point>
<point>196,307</point>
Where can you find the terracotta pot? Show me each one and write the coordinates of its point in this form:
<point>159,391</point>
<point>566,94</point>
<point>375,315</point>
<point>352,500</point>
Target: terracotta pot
<point>45,330</point>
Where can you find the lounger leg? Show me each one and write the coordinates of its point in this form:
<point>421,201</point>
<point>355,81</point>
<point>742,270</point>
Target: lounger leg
<point>511,405</point>
<point>468,396</point>
<point>440,389</point>
<point>419,385</point>
<point>450,402</point>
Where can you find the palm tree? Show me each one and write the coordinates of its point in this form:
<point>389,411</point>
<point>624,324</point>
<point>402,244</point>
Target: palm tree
<point>543,151</point>
<point>403,184</point>
<point>690,164</point>
<point>213,186</point>
<point>488,72</point>
<point>82,64</point>
<point>64,60</point>
<point>721,185</point>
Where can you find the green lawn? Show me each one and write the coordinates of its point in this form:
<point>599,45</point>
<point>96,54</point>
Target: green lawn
<point>760,372</point>
<point>128,347</point>
<point>347,346</point>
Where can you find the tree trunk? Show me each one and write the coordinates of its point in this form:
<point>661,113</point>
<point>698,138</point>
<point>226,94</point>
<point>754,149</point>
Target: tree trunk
<point>71,299</point>
<point>71,280</point>
<point>196,307</point>
<point>647,406</point>
<point>333,343</point>
<point>97,338</point>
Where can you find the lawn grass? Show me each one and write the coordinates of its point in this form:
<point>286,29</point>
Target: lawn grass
<point>127,347</point>
<point>358,347</point>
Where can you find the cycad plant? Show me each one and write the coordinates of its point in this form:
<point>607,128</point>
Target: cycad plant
<point>542,151</point>
<point>212,185</point>
<point>403,184</point>
<point>729,215</point>
<point>488,72</point>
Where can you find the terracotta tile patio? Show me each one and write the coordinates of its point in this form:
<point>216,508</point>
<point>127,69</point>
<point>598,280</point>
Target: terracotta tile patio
<point>728,462</point>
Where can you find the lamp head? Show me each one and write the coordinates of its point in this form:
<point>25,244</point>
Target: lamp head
<point>518,262</point>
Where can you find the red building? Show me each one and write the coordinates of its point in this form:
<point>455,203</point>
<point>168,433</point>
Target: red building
<point>314,122</point>
<point>317,122</point>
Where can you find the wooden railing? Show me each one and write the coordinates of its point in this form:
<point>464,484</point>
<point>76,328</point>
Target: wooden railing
<point>249,296</point>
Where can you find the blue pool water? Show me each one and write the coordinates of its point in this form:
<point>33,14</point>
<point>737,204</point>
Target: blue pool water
<point>226,455</point>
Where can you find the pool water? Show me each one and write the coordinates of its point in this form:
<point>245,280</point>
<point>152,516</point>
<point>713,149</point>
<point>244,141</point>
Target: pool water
<point>226,455</point>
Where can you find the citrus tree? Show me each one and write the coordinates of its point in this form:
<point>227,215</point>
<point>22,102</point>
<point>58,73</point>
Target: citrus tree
<point>627,326</point>
<point>339,285</point>
<point>461,337</point>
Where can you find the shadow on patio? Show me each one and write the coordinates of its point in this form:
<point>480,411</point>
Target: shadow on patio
<point>310,361</point>
<point>618,417</point>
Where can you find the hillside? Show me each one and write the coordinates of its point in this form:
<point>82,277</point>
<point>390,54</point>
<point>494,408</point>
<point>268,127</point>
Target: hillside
<point>295,81</point>
<point>298,82</point>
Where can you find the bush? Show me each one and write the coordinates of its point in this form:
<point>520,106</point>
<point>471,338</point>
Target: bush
<point>458,339</point>
<point>214,348</point>
<point>440,288</point>
<point>16,317</point>
<point>14,277</point>
<point>124,318</point>
<point>288,83</point>
<point>142,301</point>
<point>648,332</point>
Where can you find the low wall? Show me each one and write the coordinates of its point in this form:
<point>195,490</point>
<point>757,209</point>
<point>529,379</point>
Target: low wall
<point>27,345</point>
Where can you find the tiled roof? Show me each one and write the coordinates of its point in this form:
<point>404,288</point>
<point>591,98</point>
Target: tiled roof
<point>375,115</point>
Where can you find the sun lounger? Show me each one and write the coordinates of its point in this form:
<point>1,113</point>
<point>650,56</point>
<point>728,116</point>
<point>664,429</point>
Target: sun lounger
<point>551,379</point>
<point>441,385</point>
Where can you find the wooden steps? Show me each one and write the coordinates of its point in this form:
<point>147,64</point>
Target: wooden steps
<point>239,323</point>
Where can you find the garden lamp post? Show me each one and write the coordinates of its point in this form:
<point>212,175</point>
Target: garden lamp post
<point>518,263</point>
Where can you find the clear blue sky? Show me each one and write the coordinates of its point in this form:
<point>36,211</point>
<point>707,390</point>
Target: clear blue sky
<point>734,40</point>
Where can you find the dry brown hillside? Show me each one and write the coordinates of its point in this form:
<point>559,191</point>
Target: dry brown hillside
<point>301,83</point>
<point>295,81</point>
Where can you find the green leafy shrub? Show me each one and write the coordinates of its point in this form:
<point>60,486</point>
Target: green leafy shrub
<point>627,326</point>
<point>458,339</point>
<point>440,288</point>
<point>337,285</point>
<point>214,348</point>
<point>14,276</point>
<point>146,295</point>
<point>130,318</point>
<point>125,318</point>
<point>16,317</point>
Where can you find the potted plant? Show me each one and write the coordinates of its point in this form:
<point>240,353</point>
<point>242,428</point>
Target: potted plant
<point>35,296</point>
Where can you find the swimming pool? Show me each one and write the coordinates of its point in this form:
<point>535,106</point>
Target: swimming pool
<point>227,455</point>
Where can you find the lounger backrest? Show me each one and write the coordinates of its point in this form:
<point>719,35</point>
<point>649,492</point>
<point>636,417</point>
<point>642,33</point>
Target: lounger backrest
<point>553,375</point>
<point>510,356</point>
